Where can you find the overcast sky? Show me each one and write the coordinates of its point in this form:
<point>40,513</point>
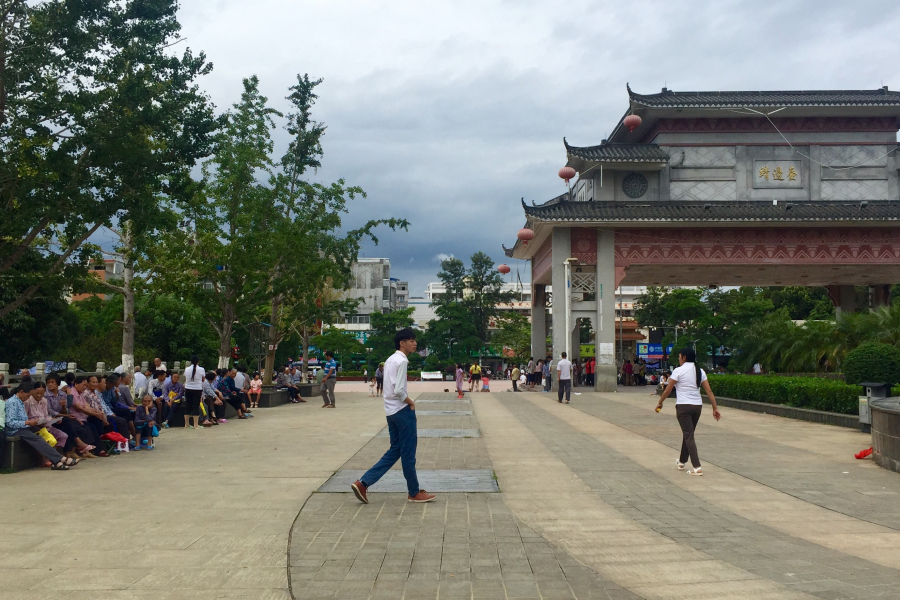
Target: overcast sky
<point>447,113</point>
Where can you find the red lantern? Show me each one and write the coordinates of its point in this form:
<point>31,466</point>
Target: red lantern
<point>503,269</point>
<point>632,122</point>
<point>567,173</point>
<point>525,235</point>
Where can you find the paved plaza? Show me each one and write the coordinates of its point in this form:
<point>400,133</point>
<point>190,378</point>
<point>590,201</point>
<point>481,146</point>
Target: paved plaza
<point>534,500</point>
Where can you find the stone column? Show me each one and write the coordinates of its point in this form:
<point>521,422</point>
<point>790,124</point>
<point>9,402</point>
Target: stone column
<point>605,375</point>
<point>881,295</point>
<point>538,321</point>
<point>562,249</point>
<point>843,297</point>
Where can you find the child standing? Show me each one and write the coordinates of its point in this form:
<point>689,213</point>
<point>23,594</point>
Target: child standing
<point>255,388</point>
<point>459,381</point>
<point>144,421</point>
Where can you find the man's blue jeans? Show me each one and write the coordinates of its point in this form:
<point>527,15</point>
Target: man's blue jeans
<point>402,430</point>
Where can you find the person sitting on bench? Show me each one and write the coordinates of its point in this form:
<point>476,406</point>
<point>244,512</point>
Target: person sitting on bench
<point>19,425</point>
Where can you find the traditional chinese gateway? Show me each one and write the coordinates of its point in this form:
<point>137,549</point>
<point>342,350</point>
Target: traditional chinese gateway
<point>719,188</point>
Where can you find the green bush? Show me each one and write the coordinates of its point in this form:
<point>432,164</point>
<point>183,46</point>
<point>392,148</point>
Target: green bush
<point>873,362</point>
<point>803,392</point>
<point>350,374</point>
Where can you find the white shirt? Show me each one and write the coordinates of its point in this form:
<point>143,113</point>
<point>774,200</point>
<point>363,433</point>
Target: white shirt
<point>564,366</point>
<point>192,380</point>
<point>686,389</point>
<point>395,383</point>
<point>239,380</point>
<point>140,385</point>
<point>757,368</point>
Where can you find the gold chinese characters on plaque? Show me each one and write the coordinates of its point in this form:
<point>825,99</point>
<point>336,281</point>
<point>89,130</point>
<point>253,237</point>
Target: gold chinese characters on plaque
<point>777,174</point>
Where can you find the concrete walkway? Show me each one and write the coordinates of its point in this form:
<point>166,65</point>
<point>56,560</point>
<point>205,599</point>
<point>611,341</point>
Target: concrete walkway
<point>589,505</point>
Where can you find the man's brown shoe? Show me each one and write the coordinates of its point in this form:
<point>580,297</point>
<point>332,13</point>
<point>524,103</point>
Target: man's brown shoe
<point>359,489</point>
<point>422,496</point>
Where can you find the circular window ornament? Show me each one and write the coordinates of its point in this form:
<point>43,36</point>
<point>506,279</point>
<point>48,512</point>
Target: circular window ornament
<point>634,185</point>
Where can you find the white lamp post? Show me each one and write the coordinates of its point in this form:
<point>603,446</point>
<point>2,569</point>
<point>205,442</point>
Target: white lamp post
<point>569,262</point>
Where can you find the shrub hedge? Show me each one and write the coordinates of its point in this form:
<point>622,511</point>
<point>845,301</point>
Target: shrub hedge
<point>802,392</point>
<point>873,362</point>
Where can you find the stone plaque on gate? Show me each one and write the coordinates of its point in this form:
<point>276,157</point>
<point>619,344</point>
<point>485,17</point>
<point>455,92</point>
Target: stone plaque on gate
<point>777,174</point>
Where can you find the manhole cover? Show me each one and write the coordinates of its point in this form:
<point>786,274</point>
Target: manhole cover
<point>471,480</point>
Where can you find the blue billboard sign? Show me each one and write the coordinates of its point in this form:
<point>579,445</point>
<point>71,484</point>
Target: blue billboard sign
<point>650,351</point>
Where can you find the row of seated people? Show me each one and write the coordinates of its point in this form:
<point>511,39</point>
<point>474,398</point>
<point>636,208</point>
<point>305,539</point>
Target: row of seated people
<point>67,418</point>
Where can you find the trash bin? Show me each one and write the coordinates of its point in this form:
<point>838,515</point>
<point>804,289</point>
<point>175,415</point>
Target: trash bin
<point>872,391</point>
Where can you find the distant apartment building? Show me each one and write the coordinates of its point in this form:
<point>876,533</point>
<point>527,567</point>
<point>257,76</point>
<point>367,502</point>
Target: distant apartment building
<point>377,292</point>
<point>424,309</point>
<point>110,269</point>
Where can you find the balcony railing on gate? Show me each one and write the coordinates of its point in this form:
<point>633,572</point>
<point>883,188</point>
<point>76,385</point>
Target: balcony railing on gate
<point>583,283</point>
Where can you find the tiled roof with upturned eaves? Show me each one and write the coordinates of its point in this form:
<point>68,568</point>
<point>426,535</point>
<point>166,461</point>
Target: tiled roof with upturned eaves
<point>670,99</point>
<point>561,209</point>
<point>618,153</point>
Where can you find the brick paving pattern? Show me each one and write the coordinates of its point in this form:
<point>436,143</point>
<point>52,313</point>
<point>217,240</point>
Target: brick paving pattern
<point>463,545</point>
<point>794,471</point>
<point>638,493</point>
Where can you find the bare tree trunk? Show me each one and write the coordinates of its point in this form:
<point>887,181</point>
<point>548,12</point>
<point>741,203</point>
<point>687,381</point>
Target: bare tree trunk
<point>128,325</point>
<point>305,338</point>
<point>225,336</point>
<point>273,339</point>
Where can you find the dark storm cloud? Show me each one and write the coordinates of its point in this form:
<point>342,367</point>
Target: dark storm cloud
<point>447,113</point>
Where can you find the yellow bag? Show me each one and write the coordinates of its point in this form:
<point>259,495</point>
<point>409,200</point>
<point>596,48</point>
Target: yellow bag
<point>48,437</point>
<point>202,408</point>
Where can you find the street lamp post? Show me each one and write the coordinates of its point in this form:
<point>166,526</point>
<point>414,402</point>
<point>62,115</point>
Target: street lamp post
<point>568,345</point>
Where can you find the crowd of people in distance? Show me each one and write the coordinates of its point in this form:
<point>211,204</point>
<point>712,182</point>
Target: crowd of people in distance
<point>540,374</point>
<point>68,418</point>
<point>633,373</point>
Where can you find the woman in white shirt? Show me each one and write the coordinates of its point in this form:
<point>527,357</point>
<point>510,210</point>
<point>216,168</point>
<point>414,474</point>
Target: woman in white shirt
<point>194,376</point>
<point>687,380</point>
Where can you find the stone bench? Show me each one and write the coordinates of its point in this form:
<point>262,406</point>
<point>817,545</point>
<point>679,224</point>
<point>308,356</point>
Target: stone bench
<point>308,390</point>
<point>274,397</point>
<point>19,456</point>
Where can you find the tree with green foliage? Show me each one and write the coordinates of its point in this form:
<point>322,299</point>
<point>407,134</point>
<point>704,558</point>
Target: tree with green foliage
<point>98,116</point>
<point>343,343</point>
<point>468,307</point>
<point>222,256</point>
<point>313,250</point>
<point>168,326</point>
<point>514,335</point>
<point>384,327</point>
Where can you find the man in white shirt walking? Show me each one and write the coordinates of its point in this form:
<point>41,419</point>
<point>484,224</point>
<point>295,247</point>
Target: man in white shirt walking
<point>401,420</point>
<point>564,368</point>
